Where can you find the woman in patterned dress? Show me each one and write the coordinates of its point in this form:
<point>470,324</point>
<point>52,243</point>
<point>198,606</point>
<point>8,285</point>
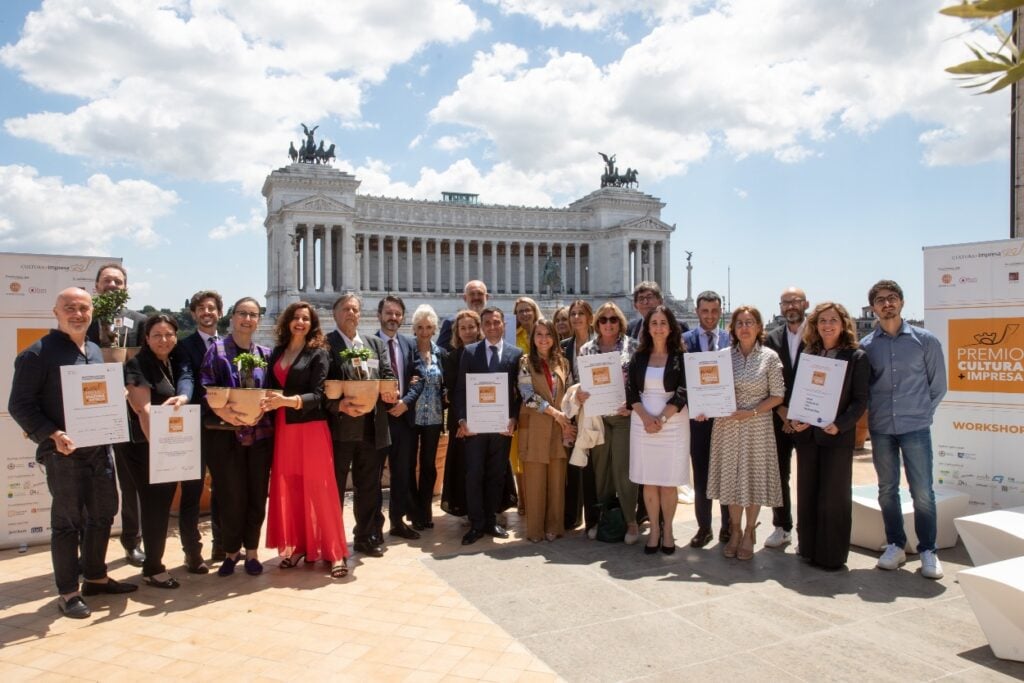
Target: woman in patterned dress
<point>429,413</point>
<point>744,471</point>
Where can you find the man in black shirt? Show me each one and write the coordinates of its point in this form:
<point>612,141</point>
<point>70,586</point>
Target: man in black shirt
<point>81,480</point>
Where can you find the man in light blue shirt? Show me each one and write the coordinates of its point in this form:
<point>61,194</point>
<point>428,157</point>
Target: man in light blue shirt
<point>908,380</point>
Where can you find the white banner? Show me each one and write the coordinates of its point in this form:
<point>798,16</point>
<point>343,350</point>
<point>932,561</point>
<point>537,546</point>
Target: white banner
<point>29,289</point>
<point>974,304</point>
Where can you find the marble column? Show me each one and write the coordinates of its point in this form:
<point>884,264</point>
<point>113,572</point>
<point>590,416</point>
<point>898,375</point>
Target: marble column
<point>564,274</point>
<point>638,264</point>
<point>522,267</point>
<point>395,284</point>
<point>666,268</point>
<point>465,262</point>
<point>328,251</point>
<point>380,263</point>
<point>364,283</point>
<point>536,270</point>
<point>437,265</point>
<point>480,263</point>
<point>451,265</point>
<point>408,265</point>
<point>508,266</point>
<point>309,283</point>
<point>494,264</point>
<point>577,269</point>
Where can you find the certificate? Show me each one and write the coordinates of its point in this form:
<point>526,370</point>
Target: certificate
<point>601,377</point>
<point>710,390</point>
<point>173,444</point>
<point>816,389</point>
<point>487,402</point>
<point>95,411</point>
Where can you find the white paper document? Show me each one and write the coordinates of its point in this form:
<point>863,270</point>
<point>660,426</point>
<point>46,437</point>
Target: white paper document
<point>173,444</point>
<point>710,389</point>
<point>95,410</point>
<point>601,377</point>
<point>816,389</point>
<point>487,409</point>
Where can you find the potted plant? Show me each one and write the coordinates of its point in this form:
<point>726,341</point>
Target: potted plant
<point>245,399</point>
<point>105,309</point>
<point>355,384</point>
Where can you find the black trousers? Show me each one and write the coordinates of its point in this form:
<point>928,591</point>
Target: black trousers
<point>130,523</point>
<point>784,444</point>
<point>365,462</point>
<point>402,467</point>
<point>486,466</point>
<point>188,505</point>
<point>700,458</point>
<point>422,509</point>
<point>241,477</point>
<point>824,510</point>
<point>155,505</point>
<point>83,508</point>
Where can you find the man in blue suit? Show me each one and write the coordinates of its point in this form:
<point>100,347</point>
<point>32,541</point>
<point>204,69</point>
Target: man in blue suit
<point>401,418</point>
<point>487,454</point>
<point>707,337</point>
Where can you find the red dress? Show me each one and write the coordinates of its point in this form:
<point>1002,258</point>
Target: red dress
<point>304,511</point>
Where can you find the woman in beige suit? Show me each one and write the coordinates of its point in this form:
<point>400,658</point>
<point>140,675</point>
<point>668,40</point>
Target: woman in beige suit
<point>543,429</point>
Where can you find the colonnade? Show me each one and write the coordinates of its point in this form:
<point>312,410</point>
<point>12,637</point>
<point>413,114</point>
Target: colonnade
<point>334,258</point>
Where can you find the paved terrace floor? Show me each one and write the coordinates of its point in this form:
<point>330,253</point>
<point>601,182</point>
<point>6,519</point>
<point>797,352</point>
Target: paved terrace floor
<point>574,610</point>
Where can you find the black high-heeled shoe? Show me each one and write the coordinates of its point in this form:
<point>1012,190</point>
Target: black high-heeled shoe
<point>652,549</point>
<point>668,549</point>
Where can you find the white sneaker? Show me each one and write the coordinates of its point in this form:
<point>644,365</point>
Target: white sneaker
<point>931,568</point>
<point>631,537</point>
<point>893,557</point>
<point>778,538</point>
<point>685,495</point>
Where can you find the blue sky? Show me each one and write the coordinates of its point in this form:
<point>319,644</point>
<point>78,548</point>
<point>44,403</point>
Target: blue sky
<point>814,143</point>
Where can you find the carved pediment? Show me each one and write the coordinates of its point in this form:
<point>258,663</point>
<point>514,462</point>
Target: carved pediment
<point>318,203</point>
<point>646,223</point>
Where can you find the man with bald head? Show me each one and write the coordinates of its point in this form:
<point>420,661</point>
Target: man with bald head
<point>787,341</point>
<point>474,294</point>
<point>81,480</point>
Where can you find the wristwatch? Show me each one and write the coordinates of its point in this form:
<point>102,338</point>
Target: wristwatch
<point>663,418</point>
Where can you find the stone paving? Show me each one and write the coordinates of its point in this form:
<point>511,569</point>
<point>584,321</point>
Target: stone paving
<point>510,610</point>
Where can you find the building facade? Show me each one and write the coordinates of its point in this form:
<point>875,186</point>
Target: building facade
<point>324,238</point>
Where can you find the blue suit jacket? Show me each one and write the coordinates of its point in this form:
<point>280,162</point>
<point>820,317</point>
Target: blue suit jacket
<point>691,340</point>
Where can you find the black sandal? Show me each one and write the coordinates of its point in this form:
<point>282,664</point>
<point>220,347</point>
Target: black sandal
<point>291,561</point>
<point>340,571</point>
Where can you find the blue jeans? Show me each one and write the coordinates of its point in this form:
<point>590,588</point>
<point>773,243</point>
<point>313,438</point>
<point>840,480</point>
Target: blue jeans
<point>84,505</point>
<point>917,461</point>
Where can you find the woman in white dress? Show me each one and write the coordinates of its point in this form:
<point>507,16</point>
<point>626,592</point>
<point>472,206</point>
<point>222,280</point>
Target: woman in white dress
<point>659,441</point>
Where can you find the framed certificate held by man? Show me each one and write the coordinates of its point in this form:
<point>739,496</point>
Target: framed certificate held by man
<point>95,409</point>
<point>816,390</point>
<point>487,409</point>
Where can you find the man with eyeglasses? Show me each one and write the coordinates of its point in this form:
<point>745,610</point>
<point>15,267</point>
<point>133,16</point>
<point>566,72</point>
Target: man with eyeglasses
<point>908,380</point>
<point>787,341</point>
<point>646,297</point>
<point>474,295</point>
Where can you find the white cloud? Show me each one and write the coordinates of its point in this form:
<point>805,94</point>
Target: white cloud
<point>749,76</point>
<point>740,192</point>
<point>232,227</point>
<point>415,142</point>
<point>42,213</point>
<point>209,89</point>
<point>588,15</point>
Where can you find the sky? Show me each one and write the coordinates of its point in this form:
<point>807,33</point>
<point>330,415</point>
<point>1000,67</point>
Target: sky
<point>814,143</point>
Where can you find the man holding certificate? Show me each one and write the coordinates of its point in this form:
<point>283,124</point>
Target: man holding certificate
<point>81,480</point>
<point>825,452</point>
<point>486,399</point>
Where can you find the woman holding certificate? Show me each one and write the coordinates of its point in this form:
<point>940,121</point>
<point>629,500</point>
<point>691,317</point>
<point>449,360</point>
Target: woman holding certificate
<point>304,515</point>
<point>825,454</point>
<point>240,457</point>
<point>156,376</point>
<point>611,459</point>
<point>659,436</point>
<point>543,428</point>
<point>744,471</point>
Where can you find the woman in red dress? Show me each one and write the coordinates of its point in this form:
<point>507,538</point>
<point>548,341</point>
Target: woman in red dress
<point>304,516</point>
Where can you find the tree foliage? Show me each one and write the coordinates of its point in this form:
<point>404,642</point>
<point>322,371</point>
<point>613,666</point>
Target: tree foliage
<point>990,70</point>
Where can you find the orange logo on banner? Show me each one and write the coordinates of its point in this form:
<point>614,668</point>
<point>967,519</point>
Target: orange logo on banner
<point>708,374</point>
<point>987,355</point>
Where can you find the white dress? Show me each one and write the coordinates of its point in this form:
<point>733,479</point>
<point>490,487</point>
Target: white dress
<point>661,459</point>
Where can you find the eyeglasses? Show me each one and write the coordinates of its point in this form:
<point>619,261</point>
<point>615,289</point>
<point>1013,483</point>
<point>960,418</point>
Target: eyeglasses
<point>791,302</point>
<point>745,323</point>
<point>606,320</point>
<point>163,337</point>
<point>890,299</point>
<point>646,298</point>
<point>247,314</point>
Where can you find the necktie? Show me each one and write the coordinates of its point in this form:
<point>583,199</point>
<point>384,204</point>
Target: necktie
<point>393,352</point>
<point>711,341</point>
<point>492,365</point>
